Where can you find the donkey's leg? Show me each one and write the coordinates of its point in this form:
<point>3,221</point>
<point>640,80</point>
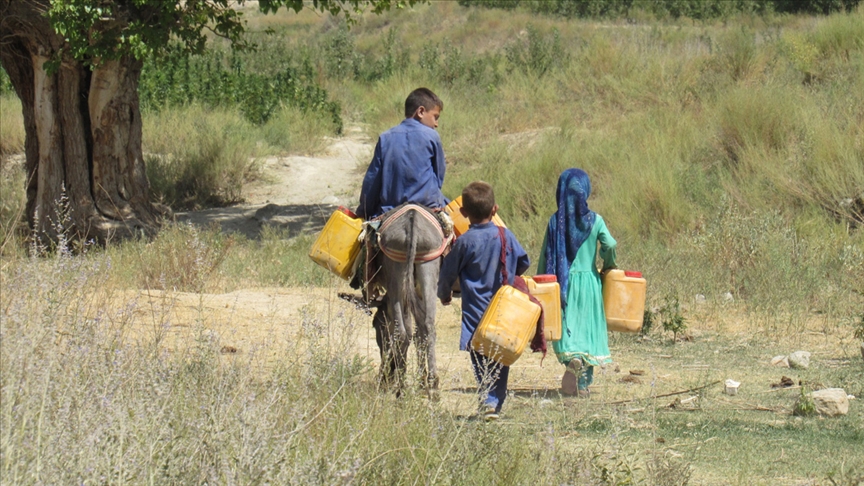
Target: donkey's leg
<point>426,277</point>
<point>399,315</point>
<point>384,329</point>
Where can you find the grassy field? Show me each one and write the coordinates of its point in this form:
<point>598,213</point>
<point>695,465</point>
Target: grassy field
<point>726,156</point>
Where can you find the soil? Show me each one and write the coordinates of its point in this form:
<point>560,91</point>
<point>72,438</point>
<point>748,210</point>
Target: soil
<point>296,193</point>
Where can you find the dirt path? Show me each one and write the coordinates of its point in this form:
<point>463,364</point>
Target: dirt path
<point>296,193</point>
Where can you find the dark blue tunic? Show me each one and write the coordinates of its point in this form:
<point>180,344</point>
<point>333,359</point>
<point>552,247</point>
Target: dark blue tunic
<point>475,261</point>
<point>408,166</point>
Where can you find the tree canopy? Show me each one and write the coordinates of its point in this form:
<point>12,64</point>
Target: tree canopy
<point>97,30</point>
<point>76,66</point>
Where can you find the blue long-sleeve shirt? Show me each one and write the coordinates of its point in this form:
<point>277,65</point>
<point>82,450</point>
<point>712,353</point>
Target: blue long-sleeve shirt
<point>408,166</point>
<point>475,261</point>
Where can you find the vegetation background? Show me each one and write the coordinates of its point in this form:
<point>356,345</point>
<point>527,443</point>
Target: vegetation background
<point>725,141</point>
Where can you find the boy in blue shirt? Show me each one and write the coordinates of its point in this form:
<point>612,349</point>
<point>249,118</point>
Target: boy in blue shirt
<point>408,164</point>
<point>475,261</point>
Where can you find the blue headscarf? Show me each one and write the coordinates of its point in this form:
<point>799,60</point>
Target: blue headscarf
<point>569,227</point>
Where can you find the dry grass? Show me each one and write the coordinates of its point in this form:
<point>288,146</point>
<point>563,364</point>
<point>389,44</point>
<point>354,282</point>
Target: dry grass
<point>11,126</point>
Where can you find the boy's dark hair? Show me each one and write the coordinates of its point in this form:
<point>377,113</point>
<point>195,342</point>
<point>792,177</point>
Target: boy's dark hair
<point>422,97</point>
<point>478,199</point>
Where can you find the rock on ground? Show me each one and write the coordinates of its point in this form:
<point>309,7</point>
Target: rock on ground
<point>799,359</point>
<point>830,402</point>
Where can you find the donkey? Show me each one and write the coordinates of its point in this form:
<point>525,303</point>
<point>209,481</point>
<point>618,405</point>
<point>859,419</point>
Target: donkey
<point>412,241</point>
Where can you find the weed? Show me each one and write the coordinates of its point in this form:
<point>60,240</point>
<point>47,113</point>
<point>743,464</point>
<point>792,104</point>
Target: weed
<point>671,318</point>
<point>647,322</point>
<point>804,407</point>
<point>669,471</point>
<point>858,328</point>
<point>847,475</point>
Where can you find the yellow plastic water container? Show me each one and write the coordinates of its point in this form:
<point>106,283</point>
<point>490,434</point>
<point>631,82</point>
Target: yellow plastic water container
<point>624,300</point>
<point>337,247</point>
<point>546,289</point>
<point>507,326</point>
<point>461,223</point>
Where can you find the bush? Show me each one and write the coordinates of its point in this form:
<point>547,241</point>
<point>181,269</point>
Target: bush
<point>695,9</point>
<point>217,80</point>
<point>536,53</point>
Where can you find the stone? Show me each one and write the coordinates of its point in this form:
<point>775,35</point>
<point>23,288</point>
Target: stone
<point>799,360</point>
<point>780,361</point>
<point>331,200</point>
<point>727,297</point>
<point>830,402</point>
<point>700,299</point>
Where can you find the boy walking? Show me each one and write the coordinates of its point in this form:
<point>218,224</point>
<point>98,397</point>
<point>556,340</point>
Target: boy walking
<point>476,261</point>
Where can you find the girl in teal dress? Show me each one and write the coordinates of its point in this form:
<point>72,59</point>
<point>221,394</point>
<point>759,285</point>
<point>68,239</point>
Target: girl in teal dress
<point>570,252</point>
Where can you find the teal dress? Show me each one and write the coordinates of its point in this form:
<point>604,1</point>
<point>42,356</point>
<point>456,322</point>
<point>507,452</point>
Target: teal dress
<point>583,333</point>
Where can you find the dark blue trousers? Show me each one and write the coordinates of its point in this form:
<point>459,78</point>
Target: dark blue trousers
<point>491,380</point>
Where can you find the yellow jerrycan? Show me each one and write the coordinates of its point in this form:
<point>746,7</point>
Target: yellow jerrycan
<point>337,247</point>
<point>507,326</point>
<point>546,289</point>
<point>624,300</point>
<point>461,223</point>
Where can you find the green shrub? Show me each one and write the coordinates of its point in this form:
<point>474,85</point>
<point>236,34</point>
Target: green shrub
<point>671,318</point>
<point>215,79</point>
<point>537,53</point>
<point>5,83</point>
<point>694,9</point>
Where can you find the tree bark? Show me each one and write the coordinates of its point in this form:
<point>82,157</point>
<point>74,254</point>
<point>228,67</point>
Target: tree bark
<point>84,163</point>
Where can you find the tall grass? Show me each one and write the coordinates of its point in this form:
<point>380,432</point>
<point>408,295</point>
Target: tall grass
<point>201,157</point>
<point>91,393</point>
<point>11,125</point>
<point>104,385</point>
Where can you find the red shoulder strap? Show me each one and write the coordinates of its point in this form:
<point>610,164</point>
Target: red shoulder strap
<point>503,239</point>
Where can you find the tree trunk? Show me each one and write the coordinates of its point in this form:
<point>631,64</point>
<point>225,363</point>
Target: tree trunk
<point>85,170</point>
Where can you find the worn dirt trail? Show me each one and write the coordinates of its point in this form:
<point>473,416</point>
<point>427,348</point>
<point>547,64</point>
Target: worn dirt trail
<point>296,193</point>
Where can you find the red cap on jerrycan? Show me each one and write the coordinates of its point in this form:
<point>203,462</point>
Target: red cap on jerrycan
<point>632,274</point>
<point>348,212</point>
<point>545,278</point>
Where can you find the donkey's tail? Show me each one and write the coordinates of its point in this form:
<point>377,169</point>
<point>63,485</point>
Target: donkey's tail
<point>408,291</point>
